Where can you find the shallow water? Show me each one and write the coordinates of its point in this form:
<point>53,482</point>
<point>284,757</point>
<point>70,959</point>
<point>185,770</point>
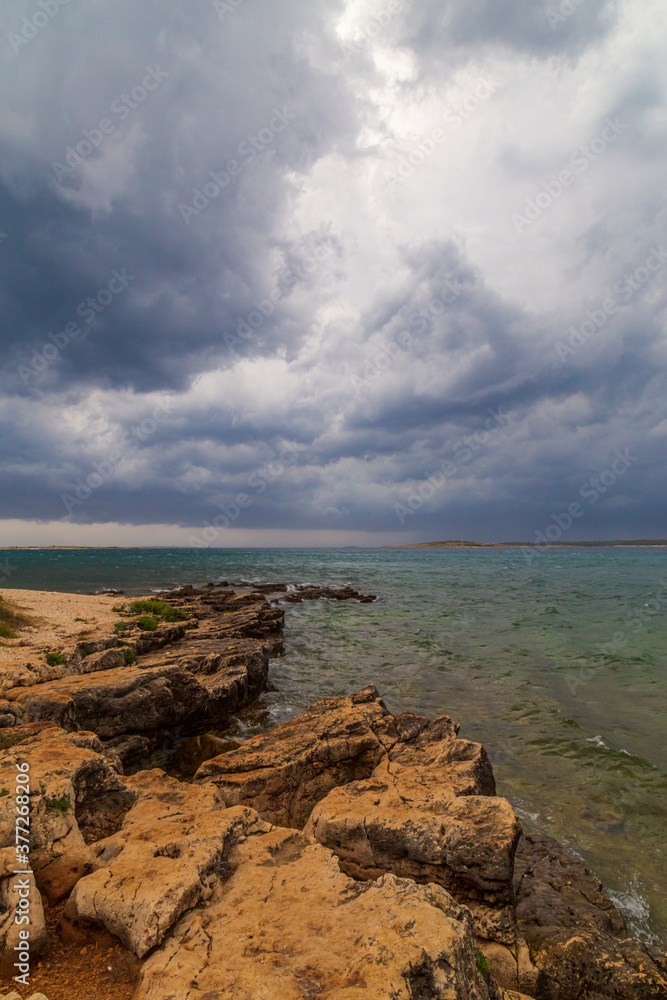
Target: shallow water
<point>557,664</point>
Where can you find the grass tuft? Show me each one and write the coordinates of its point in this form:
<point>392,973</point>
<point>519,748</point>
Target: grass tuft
<point>54,659</point>
<point>482,965</point>
<point>12,619</point>
<point>147,623</point>
<point>159,608</point>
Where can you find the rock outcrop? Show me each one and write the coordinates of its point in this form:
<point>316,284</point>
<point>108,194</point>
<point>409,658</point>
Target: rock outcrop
<point>577,937</point>
<point>177,676</point>
<point>429,812</point>
<point>70,777</point>
<point>288,925</point>
<point>171,851</point>
<point>284,774</point>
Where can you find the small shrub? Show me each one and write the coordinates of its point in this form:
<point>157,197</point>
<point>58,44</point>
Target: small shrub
<point>61,805</point>
<point>160,608</point>
<point>54,659</point>
<point>147,623</point>
<point>120,627</point>
<point>130,656</point>
<point>3,792</point>
<point>482,965</point>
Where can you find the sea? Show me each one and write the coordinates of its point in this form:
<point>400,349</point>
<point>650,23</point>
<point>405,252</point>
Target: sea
<point>555,659</point>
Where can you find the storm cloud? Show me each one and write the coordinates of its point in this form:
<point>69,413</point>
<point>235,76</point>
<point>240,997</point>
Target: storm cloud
<point>336,270</point>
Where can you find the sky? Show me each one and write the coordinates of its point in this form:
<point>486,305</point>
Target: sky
<point>327,273</point>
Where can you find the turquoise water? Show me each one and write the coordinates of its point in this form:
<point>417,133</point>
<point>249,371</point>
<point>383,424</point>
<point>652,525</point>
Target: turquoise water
<point>556,664</point>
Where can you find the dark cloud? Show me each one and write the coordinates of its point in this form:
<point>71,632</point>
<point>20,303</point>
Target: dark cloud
<point>293,228</point>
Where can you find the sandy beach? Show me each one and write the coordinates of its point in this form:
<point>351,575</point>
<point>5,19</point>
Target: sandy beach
<point>59,619</point>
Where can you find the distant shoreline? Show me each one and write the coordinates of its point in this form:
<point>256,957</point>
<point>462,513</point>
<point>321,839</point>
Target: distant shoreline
<point>616,543</point>
<point>637,543</point>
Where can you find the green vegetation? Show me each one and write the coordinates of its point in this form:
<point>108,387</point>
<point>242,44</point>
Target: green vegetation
<point>5,791</point>
<point>120,627</point>
<point>147,623</point>
<point>12,619</point>
<point>61,805</point>
<point>9,740</point>
<point>130,656</point>
<point>54,659</point>
<point>482,964</point>
<point>161,609</point>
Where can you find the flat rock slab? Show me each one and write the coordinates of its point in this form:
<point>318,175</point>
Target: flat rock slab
<point>289,925</point>
<point>171,850</point>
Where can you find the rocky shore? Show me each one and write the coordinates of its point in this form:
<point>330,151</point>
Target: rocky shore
<point>347,853</point>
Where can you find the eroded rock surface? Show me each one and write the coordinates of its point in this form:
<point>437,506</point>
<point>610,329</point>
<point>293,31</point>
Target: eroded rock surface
<point>171,851</point>
<point>284,774</point>
<point>288,924</point>
<point>19,899</point>
<point>429,812</point>
<point>69,776</point>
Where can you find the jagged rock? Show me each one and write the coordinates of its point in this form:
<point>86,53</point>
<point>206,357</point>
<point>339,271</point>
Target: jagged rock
<point>284,774</point>
<point>14,908</point>
<point>429,812</point>
<point>576,936</point>
<point>171,850</point>
<point>69,775</point>
<point>315,932</point>
<point>307,593</point>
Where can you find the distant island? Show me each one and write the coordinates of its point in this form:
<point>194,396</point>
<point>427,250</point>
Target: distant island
<point>505,545</point>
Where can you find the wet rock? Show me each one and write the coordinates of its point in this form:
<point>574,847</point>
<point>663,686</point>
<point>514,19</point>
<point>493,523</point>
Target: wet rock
<point>307,593</point>
<point>576,936</point>
<point>316,933</point>
<point>172,849</point>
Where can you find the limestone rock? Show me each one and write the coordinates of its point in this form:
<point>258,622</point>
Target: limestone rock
<point>12,907</point>
<point>576,936</point>
<point>429,812</point>
<point>69,775</point>
<point>288,925</point>
<point>172,848</point>
<point>284,774</point>
<point>184,677</point>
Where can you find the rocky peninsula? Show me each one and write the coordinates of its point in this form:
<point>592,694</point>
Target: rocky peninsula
<point>347,853</point>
